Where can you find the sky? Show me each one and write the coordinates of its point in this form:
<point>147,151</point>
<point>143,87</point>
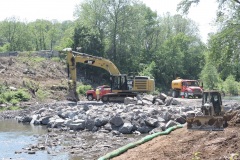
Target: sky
<point>30,10</point>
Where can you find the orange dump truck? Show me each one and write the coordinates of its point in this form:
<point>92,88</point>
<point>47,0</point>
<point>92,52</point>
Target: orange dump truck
<point>186,88</point>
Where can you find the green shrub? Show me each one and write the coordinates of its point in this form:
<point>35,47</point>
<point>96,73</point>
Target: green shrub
<point>41,95</point>
<point>8,96</point>
<point>15,96</point>
<point>22,95</point>
<point>2,100</point>
<point>83,88</point>
<point>5,47</point>
<point>14,102</point>
<point>230,85</point>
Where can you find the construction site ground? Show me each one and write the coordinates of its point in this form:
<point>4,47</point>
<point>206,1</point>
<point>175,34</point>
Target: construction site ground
<point>191,144</point>
<point>185,144</point>
<point>179,144</point>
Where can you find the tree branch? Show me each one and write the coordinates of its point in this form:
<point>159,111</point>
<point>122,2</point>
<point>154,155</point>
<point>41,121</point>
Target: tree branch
<point>237,1</point>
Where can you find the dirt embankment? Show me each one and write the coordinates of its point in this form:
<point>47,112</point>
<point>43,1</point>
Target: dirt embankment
<point>191,144</point>
<point>47,74</point>
<point>185,144</point>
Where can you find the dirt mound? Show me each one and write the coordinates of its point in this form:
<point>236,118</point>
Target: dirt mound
<point>185,144</point>
<point>192,144</point>
<point>234,117</point>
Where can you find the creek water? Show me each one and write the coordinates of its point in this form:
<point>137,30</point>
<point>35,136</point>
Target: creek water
<point>15,136</point>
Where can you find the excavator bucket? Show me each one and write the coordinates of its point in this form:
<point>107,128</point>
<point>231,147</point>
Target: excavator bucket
<point>213,123</point>
<point>72,93</point>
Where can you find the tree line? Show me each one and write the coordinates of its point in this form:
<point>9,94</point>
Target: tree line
<point>138,40</point>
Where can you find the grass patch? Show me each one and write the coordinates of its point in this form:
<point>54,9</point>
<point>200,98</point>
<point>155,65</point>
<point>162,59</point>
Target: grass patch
<point>41,94</point>
<point>81,89</point>
<point>31,59</point>
<point>12,108</point>
<point>56,59</point>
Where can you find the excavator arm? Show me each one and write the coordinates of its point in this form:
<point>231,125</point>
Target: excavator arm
<point>76,57</point>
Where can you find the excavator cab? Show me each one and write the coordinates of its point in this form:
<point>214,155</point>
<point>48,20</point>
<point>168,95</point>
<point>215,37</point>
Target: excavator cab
<point>119,83</point>
<point>212,113</point>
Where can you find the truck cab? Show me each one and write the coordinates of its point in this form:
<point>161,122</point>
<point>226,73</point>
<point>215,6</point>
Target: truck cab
<point>91,94</point>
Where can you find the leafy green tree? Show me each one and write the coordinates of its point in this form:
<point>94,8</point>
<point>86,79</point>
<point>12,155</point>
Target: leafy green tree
<point>210,76</point>
<point>181,51</point>
<point>39,30</point>
<point>224,46</point>
<point>65,35</point>
<point>88,40</point>
<point>53,34</point>
<point>15,35</point>
<point>148,70</point>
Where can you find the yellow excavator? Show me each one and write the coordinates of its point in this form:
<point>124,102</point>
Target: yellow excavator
<point>121,85</point>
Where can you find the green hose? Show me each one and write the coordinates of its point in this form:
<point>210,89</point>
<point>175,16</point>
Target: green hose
<point>123,149</point>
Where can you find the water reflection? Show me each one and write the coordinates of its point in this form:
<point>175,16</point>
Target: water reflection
<point>15,136</point>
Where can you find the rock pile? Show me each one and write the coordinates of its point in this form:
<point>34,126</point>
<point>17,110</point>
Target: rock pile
<point>147,114</point>
<point>139,115</point>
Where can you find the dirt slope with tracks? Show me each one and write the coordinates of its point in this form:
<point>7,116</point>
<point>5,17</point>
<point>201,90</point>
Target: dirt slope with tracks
<point>191,144</point>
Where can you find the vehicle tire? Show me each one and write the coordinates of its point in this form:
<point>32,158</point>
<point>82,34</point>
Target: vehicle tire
<point>90,97</point>
<point>185,94</point>
<point>175,94</point>
<point>105,98</point>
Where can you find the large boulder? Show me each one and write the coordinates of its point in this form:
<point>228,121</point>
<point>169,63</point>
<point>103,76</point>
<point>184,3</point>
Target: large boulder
<point>100,121</point>
<point>57,123</point>
<point>144,129</point>
<point>146,102</point>
<point>168,101</point>
<point>171,123</point>
<point>158,102</point>
<point>25,119</point>
<point>148,97</point>
<point>77,125</point>
<point>116,121</point>
<point>166,116</point>
<point>126,128</point>
<point>45,120</point>
<point>89,124</point>
<point>151,122</point>
<point>129,100</point>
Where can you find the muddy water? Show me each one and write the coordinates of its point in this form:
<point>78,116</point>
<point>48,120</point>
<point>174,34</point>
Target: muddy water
<point>15,136</point>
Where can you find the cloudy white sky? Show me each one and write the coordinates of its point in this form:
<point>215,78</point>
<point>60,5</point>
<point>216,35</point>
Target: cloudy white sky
<point>29,10</point>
